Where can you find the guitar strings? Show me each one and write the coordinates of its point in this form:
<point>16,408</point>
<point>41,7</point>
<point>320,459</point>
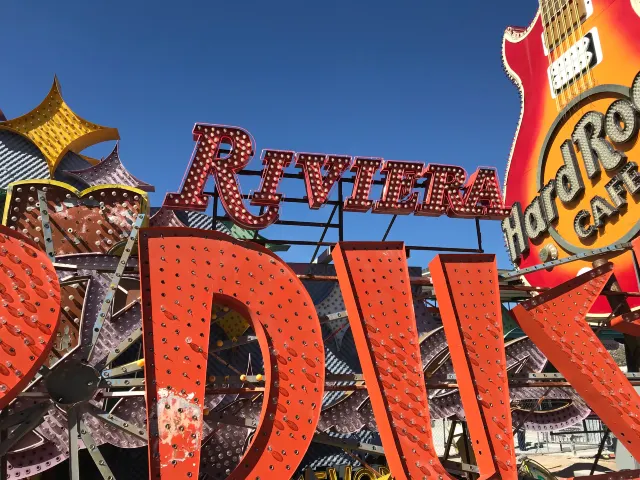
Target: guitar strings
<point>573,85</point>
<point>548,45</point>
<point>564,46</point>
<point>590,75</point>
<point>562,94</point>
<point>576,38</point>
<point>587,77</point>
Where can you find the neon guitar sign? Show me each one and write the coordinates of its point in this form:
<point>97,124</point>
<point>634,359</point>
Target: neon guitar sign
<point>620,125</point>
<point>571,175</point>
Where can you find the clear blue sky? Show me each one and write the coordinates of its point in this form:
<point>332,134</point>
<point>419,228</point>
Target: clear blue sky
<point>404,80</point>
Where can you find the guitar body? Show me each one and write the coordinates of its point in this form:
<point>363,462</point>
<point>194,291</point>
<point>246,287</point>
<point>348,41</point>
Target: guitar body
<point>547,121</point>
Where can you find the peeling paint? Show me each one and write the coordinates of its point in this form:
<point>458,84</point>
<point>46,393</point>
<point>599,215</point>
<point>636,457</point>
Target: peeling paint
<point>179,426</point>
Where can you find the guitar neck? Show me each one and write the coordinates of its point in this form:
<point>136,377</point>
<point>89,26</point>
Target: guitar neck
<point>560,18</point>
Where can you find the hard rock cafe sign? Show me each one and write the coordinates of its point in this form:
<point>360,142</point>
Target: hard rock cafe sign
<point>575,185</point>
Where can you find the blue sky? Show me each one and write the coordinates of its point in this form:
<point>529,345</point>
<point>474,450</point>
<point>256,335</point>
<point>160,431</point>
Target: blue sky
<point>404,80</point>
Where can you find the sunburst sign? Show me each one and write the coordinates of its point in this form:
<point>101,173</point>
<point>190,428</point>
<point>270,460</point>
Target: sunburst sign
<point>55,129</point>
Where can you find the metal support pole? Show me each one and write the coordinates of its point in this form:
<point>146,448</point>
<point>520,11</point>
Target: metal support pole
<point>467,444</point>
<point>340,212</point>
<point>324,232</point>
<point>386,234</point>
<point>479,234</point>
<point>214,218</point>
<point>447,447</point>
<point>600,448</point>
<point>74,464</point>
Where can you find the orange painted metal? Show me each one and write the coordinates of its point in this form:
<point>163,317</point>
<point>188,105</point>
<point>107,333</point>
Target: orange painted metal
<point>628,323</point>
<point>555,321</point>
<point>29,311</point>
<point>375,284</point>
<point>183,273</point>
<point>466,287</point>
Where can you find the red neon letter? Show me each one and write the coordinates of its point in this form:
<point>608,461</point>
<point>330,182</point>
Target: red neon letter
<point>469,299</point>
<point>443,196</point>
<point>206,161</point>
<point>374,280</point>
<point>274,161</point>
<point>396,196</point>
<point>319,186</point>
<point>483,197</point>
<point>359,199</point>
<point>191,270</point>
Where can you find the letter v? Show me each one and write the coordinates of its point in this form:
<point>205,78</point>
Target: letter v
<point>375,284</point>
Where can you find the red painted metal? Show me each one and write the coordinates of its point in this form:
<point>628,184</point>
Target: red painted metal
<point>29,311</point>
<point>185,271</point>
<point>469,299</point>
<point>555,321</point>
<point>482,198</point>
<point>375,285</point>
<point>444,193</point>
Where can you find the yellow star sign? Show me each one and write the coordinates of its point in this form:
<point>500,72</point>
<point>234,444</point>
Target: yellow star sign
<point>55,129</point>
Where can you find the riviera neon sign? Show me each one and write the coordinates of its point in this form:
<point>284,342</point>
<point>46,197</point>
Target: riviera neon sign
<point>448,192</point>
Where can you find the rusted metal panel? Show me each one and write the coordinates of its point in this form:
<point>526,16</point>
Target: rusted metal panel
<point>375,285</point>
<point>190,271</point>
<point>94,220</point>
<point>469,299</point>
<point>555,321</point>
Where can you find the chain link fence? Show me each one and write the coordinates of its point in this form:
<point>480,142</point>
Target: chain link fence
<point>586,435</point>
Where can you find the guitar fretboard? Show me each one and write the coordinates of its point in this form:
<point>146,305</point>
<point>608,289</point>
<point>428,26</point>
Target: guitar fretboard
<point>561,18</point>
<point>562,23</point>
